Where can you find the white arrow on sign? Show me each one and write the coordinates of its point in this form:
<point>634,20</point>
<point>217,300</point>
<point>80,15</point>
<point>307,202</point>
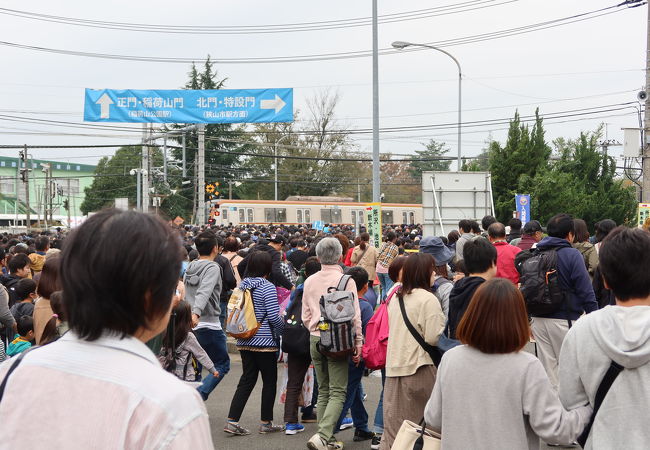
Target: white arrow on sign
<point>105,102</point>
<point>277,103</point>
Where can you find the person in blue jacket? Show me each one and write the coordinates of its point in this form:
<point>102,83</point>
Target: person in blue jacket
<point>549,329</point>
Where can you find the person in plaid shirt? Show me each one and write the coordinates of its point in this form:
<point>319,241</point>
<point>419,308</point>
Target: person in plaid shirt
<point>387,254</point>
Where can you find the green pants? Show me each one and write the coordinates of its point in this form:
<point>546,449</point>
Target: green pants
<point>332,377</point>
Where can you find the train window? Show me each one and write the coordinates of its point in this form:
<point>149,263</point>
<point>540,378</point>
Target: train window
<point>361,216</point>
<point>307,216</point>
<point>405,217</point>
<point>242,215</point>
<point>330,215</point>
<point>272,215</point>
<point>224,214</point>
<point>354,217</point>
<point>412,218</point>
<point>250,215</point>
<point>299,216</point>
<point>387,216</point>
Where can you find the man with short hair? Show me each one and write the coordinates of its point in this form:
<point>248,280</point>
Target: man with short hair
<point>515,229</point>
<point>37,259</point>
<point>465,230</point>
<point>505,253</point>
<point>203,283</point>
<point>532,235</point>
<point>486,221</point>
<point>480,259</point>
<point>298,256</point>
<point>332,374</point>
<point>616,339</point>
<point>549,329</point>
<point>273,247</point>
<point>229,281</point>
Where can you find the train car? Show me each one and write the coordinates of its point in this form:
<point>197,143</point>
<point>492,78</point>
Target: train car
<point>307,210</point>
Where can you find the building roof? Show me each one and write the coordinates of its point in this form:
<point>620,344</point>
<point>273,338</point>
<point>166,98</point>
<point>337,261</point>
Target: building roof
<point>9,162</point>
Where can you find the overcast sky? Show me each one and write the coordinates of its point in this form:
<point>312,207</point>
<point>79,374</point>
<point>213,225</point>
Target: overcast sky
<point>586,64</point>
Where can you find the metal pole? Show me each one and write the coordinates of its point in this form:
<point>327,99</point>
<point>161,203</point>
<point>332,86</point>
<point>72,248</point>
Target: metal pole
<point>646,124</point>
<point>460,108</point>
<point>200,167</point>
<point>165,158</point>
<point>184,169</point>
<point>25,165</point>
<point>376,184</point>
<point>46,196</point>
<point>275,152</point>
<point>145,170</point>
<point>138,183</point>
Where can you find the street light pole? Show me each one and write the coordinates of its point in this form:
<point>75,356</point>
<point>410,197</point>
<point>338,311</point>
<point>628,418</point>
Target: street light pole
<point>400,45</point>
<point>275,153</point>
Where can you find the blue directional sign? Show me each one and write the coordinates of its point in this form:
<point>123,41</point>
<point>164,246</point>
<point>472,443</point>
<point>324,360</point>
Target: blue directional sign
<point>522,203</point>
<point>189,106</point>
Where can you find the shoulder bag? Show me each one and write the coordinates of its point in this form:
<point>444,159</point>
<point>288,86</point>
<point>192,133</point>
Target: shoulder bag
<point>433,352</point>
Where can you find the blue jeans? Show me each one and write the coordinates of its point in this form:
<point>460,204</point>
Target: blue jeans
<point>354,399</point>
<point>214,344</point>
<point>386,283</point>
<point>379,413</point>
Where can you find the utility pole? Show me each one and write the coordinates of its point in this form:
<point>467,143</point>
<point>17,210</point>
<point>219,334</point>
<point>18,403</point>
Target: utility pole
<point>145,170</point>
<point>200,167</point>
<point>645,193</point>
<point>376,186</point>
<point>25,177</point>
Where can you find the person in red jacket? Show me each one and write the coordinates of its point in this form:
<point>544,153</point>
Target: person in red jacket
<point>505,253</point>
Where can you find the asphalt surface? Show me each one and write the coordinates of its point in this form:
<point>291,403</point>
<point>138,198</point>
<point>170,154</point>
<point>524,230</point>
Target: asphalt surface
<point>219,403</point>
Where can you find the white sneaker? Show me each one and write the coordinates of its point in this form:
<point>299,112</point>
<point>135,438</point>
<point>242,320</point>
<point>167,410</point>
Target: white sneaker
<point>316,443</point>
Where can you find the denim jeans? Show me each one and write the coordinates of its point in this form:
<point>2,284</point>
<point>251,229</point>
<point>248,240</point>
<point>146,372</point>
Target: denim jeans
<point>379,412</point>
<point>386,283</point>
<point>354,399</point>
<point>214,344</point>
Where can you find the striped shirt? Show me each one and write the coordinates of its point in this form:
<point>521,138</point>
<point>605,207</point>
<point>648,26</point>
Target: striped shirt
<point>267,311</point>
<point>106,394</point>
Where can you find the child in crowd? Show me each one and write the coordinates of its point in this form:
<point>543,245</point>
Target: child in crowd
<point>23,339</point>
<point>57,325</point>
<point>26,294</point>
<point>181,350</point>
<point>354,395</point>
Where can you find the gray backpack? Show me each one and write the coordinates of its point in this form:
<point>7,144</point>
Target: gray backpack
<point>337,321</point>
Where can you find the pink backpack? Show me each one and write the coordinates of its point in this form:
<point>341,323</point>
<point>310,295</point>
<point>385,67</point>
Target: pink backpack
<point>376,346</point>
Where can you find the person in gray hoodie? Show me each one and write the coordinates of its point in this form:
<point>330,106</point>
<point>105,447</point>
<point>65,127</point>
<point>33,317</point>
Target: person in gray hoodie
<point>203,281</point>
<point>618,334</point>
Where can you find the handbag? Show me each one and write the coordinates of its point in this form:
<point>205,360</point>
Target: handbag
<point>434,352</point>
<point>416,437</point>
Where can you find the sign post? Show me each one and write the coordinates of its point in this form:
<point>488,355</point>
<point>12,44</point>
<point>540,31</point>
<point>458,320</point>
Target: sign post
<point>373,223</point>
<point>522,204</point>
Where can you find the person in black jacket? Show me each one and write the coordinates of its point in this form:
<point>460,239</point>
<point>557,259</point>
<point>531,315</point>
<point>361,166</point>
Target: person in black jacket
<point>273,247</point>
<point>228,280</point>
<point>480,260</point>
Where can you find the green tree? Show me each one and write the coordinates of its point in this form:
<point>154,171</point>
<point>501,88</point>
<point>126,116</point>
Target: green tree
<point>432,150</point>
<point>112,180</point>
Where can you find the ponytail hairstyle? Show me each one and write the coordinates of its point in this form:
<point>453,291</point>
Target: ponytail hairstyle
<point>50,332</point>
<point>365,239</point>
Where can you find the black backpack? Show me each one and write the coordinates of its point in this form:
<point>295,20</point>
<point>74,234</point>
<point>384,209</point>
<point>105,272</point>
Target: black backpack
<point>295,336</point>
<point>540,282</point>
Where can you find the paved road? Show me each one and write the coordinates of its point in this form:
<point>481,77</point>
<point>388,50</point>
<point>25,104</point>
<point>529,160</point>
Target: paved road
<point>219,403</point>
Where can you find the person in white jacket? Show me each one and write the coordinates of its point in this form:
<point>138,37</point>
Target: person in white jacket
<point>489,393</point>
<point>619,334</point>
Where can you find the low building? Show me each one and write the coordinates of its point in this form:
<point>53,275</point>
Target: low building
<point>61,190</point>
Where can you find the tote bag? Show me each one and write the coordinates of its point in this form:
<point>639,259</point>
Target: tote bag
<point>412,436</point>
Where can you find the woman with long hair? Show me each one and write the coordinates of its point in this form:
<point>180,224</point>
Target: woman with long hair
<point>48,283</point>
<point>491,394</point>
<point>586,248</point>
<point>410,371</point>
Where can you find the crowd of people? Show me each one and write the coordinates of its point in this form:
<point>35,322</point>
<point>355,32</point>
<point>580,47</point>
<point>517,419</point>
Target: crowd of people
<point>494,336</point>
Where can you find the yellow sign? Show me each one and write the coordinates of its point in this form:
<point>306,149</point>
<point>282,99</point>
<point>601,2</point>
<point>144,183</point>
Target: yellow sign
<point>209,188</point>
<point>644,213</point>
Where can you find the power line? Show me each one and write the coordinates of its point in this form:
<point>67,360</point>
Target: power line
<point>341,55</point>
<point>444,10</point>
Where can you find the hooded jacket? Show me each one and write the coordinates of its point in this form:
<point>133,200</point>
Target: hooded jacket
<point>202,281</point>
<point>574,278</point>
<point>267,312</point>
<point>459,300</point>
<point>277,278</point>
<point>620,334</point>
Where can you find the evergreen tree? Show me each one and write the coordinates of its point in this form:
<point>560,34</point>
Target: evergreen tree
<point>432,150</point>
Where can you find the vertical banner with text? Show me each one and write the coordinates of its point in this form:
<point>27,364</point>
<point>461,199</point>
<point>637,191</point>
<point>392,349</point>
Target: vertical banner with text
<point>373,222</point>
<point>644,213</point>
<point>522,203</point>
